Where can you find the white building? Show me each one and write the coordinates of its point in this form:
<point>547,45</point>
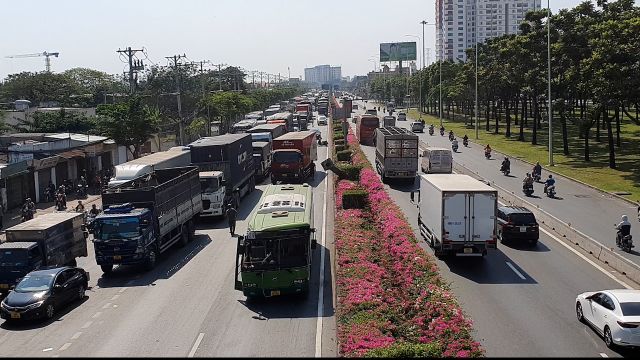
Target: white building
<point>323,74</point>
<point>456,23</point>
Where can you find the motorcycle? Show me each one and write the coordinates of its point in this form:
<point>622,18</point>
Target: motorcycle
<point>536,177</point>
<point>465,142</point>
<point>454,147</point>
<point>81,191</point>
<point>527,189</point>
<point>27,214</point>
<point>60,203</point>
<point>625,243</point>
<point>47,195</point>
<point>550,191</point>
<point>451,137</point>
<point>431,131</point>
<point>441,132</point>
<point>487,154</point>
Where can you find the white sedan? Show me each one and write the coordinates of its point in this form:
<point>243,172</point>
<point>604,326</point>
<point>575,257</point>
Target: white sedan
<point>615,314</point>
<point>322,120</point>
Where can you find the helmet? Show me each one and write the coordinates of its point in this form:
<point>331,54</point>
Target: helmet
<point>528,174</point>
<point>550,176</point>
<point>625,218</point>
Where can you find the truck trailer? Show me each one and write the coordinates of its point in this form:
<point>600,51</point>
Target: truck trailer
<point>144,217</point>
<point>226,165</point>
<point>54,239</point>
<point>366,126</point>
<point>457,214</point>
<point>177,156</point>
<point>274,258</point>
<point>396,153</point>
<point>293,157</point>
<point>262,159</point>
<point>276,130</point>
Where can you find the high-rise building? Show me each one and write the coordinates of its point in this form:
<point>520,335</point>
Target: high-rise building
<point>323,74</point>
<point>456,23</point>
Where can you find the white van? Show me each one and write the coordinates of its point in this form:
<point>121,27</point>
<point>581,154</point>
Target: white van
<point>436,160</point>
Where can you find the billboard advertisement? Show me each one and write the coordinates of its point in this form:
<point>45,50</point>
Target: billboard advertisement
<point>399,51</point>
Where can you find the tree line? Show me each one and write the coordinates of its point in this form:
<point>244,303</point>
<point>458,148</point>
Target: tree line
<point>595,77</point>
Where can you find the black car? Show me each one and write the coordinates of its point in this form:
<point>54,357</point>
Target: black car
<point>517,223</point>
<point>41,293</point>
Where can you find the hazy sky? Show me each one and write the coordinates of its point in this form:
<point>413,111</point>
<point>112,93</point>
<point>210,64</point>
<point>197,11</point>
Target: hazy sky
<point>263,35</point>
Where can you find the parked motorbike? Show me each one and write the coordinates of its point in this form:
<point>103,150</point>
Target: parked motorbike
<point>527,189</point>
<point>625,243</point>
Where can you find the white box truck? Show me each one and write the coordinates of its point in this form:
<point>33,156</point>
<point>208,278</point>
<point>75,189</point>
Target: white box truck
<point>177,156</point>
<point>457,214</point>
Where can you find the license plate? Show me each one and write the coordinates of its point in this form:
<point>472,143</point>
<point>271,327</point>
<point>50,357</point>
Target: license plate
<point>275,292</point>
<point>523,229</point>
<point>4,286</point>
<point>468,250</point>
<point>15,315</point>
<point>117,257</point>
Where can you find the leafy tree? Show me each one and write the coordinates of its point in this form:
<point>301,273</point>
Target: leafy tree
<point>130,123</point>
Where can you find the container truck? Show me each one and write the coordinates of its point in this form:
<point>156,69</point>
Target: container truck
<point>144,217</point>
<point>227,167</point>
<point>177,156</point>
<point>293,157</point>
<point>276,130</point>
<point>274,258</point>
<point>285,118</point>
<point>262,159</point>
<point>323,107</point>
<point>366,126</point>
<point>457,214</point>
<point>396,153</point>
<point>389,121</point>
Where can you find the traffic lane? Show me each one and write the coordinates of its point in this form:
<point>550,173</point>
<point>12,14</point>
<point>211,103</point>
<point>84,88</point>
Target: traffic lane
<point>279,326</point>
<point>535,314</point>
<point>593,212</point>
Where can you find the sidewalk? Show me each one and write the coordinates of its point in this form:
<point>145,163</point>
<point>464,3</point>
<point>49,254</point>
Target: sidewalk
<point>13,217</point>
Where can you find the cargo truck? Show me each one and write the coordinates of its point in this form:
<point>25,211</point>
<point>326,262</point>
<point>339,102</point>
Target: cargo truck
<point>285,118</point>
<point>366,126</point>
<point>262,159</point>
<point>323,107</point>
<point>276,130</point>
<point>274,258</point>
<point>389,121</point>
<point>54,239</point>
<point>177,156</point>
<point>293,157</point>
<point>396,153</point>
<point>457,214</point>
<point>144,217</point>
<point>227,170</point>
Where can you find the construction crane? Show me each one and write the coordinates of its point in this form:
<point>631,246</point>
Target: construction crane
<point>47,62</point>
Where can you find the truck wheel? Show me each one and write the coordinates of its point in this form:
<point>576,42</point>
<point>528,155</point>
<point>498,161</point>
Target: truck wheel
<point>107,269</point>
<point>73,263</point>
<point>151,260</point>
<point>184,236</point>
<point>192,230</point>
<point>313,172</point>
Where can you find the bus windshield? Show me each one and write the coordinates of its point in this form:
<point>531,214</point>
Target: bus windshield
<point>276,253</point>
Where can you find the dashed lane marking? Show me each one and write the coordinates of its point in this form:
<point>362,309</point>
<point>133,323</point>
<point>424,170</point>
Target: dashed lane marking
<point>76,335</point>
<point>516,271</point>
<point>194,348</point>
<point>64,347</point>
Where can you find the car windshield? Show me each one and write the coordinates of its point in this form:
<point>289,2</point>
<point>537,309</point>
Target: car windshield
<point>522,219</point>
<point>13,257</point>
<point>209,185</point>
<point>34,283</point>
<point>124,227</point>
<point>630,308</point>
<point>286,157</point>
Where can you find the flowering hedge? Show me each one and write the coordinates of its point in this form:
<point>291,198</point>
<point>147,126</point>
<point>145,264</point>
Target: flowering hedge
<point>391,299</point>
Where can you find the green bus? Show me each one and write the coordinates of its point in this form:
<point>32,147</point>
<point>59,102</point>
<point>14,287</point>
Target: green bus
<point>274,258</point>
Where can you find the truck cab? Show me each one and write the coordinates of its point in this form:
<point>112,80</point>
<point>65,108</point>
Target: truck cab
<point>16,261</point>
<point>212,184</point>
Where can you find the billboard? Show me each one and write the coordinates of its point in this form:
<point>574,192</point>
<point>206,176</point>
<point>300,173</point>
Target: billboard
<point>398,51</point>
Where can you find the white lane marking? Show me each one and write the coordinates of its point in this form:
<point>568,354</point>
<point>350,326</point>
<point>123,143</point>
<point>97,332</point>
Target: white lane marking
<point>115,297</point>
<point>64,347</point>
<point>516,271</point>
<point>322,251</point>
<point>194,348</point>
<point>47,349</point>
<point>106,306</point>
<point>604,355</point>
<point>87,324</point>
<point>122,290</point>
<point>583,257</point>
<point>76,335</point>
<point>96,314</point>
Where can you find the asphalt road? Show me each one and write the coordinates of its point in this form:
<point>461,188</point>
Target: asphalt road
<point>521,300</point>
<point>187,305</point>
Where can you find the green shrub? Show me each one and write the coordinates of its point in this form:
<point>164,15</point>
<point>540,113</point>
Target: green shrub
<point>354,199</point>
<point>351,172</point>
<point>406,350</point>
<point>340,148</point>
<point>338,136</point>
<point>344,155</point>
<point>338,142</point>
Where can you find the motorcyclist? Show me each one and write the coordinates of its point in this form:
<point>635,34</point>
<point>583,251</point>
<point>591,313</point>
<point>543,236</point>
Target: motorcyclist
<point>28,209</point>
<point>624,229</point>
<point>80,206</point>
<point>549,182</point>
<point>527,182</point>
<point>454,143</point>
<point>441,130</point>
<point>537,169</point>
<point>487,150</point>
<point>451,135</point>
<point>431,128</point>
<point>506,165</point>
<point>465,140</point>
<point>94,210</point>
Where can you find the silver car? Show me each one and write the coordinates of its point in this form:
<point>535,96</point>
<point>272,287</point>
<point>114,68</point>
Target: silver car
<point>417,126</point>
<point>402,116</point>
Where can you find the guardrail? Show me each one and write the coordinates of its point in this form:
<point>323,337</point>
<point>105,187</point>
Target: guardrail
<point>563,229</point>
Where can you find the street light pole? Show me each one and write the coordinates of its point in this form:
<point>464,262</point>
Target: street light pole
<point>441,59</point>
<point>476,38</point>
<point>549,101</point>
<point>423,22</point>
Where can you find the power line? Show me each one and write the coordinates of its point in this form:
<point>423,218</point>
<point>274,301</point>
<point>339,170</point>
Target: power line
<point>176,65</point>
<point>134,65</point>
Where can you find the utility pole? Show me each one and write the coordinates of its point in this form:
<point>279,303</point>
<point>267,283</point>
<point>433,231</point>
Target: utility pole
<point>204,92</point>
<point>176,67</point>
<point>134,65</point>
<point>423,22</point>
<point>220,73</point>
